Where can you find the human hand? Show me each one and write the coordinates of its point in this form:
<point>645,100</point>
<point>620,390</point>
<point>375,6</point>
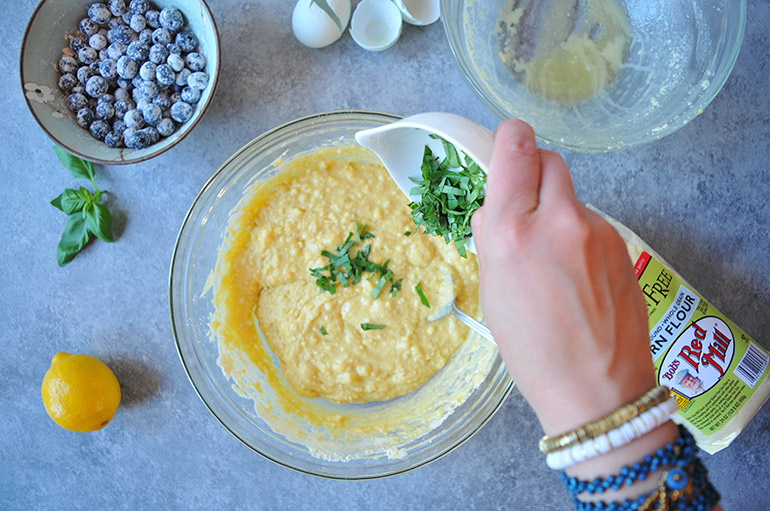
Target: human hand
<point>557,289</point>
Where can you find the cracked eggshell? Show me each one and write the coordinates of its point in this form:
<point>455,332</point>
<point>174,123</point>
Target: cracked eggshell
<point>316,29</point>
<point>376,24</point>
<point>419,12</point>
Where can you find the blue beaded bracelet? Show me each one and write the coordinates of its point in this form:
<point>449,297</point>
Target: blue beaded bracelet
<point>682,448</point>
<point>684,482</point>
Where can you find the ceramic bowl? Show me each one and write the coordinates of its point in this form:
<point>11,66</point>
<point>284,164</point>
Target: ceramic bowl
<point>52,22</point>
<point>421,426</point>
<point>674,57</point>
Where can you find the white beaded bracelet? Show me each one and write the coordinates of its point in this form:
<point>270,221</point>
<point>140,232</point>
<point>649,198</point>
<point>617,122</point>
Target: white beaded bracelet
<point>622,435</point>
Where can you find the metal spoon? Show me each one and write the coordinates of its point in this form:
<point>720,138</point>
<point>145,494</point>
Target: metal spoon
<point>476,326</point>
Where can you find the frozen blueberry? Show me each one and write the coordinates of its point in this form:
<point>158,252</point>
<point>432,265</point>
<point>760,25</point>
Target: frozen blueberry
<point>198,80</point>
<point>85,117</point>
<point>99,13</point>
<point>174,48</point>
<point>116,50</point>
<point>94,66</point>
<point>76,43</point>
<point>121,34</point>
<point>152,114</point>
<point>103,54</point>
<point>171,19</point>
<point>136,81</point>
<point>105,110</point>
<point>190,95</point>
<point>121,93</point>
<point>76,101</point>
<point>67,81</point>
<point>135,138</point>
<point>161,36</point>
<point>127,67</point>
<point>153,18</point>
<point>113,140</point>
<point>146,36</point>
<point>137,23</point>
<point>124,83</point>
<point>138,51</point>
<point>117,7</point>
<point>195,61</point>
<point>88,27</point>
<point>147,71</point>
<point>68,64</point>
<point>122,106</point>
<point>165,75</point>
<point>126,17</point>
<point>139,6</point>
<point>78,89</point>
<point>99,129</point>
<point>161,99</point>
<point>97,42</point>
<point>118,127</point>
<point>108,68</point>
<point>96,86</point>
<point>187,41</point>
<point>175,61</point>
<point>141,103</point>
<point>152,134</point>
<point>181,111</point>
<point>106,98</point>
<point>176,96</point>
<point>87,55</point>
<point>158,54</point>
<point>147,90</point>
<point>84,73</point>
<point>134,119</point>
<point>166,127</point>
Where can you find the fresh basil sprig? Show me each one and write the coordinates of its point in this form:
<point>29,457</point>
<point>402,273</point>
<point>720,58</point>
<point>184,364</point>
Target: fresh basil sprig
<point>87,216</point>
<point>450,192</point>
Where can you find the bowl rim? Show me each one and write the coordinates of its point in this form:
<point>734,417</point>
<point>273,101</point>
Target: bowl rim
<point>122,161</point>
<point>687,115</point>
<point>177,262</point>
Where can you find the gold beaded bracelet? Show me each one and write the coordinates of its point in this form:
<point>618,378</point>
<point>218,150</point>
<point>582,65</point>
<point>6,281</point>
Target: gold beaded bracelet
<point>617,418</point>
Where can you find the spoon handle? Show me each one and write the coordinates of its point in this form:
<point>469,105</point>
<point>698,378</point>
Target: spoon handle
<point>473,324</point>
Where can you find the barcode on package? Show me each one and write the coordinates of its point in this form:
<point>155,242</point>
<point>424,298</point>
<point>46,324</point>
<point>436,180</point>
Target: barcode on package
<point>752,365</point>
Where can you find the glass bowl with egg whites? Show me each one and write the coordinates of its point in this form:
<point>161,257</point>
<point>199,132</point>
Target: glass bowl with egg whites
<point>596,75</point>
<point>253,401</point>
<point>67,103</point>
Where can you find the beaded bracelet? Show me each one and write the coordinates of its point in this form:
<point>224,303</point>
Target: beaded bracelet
<point>612,421</point>
<point>684,485</point>
<point>622,435</point>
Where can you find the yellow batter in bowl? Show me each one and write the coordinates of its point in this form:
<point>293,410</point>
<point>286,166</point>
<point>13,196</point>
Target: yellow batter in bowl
<point>300,353</point>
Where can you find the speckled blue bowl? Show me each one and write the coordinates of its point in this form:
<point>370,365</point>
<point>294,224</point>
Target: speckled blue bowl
<point>41,49</point>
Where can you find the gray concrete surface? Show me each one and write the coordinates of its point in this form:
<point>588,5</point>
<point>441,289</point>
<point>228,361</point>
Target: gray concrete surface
<point>699,196</point>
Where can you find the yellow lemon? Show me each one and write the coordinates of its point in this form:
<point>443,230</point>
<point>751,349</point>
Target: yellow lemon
<point>80,392</point>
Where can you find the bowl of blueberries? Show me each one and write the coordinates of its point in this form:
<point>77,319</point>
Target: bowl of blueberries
<point>119,81</point>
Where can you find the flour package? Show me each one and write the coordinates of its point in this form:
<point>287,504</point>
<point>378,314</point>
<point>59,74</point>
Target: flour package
<point>717,373</point>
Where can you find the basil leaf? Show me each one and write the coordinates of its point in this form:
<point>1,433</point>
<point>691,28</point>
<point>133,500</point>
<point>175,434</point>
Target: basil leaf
<point>323,331</point>
<point>78,167</point>
<point>99,221</point>
<point>371,326</point>
<point>73,239</point>
<point>329,11</point>
<point>423,299</point>
<point>69,201</point>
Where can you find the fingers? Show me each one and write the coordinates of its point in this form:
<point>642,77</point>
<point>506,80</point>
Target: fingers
<point>556,182</point>
<point>514,177</point>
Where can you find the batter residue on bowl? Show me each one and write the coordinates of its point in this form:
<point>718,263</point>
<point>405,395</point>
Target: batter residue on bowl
<point>564,50</point>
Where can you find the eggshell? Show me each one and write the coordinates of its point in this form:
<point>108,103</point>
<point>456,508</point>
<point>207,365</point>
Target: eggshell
<point>376,24</point>
<point>419,12</point>
<point>316,29</point>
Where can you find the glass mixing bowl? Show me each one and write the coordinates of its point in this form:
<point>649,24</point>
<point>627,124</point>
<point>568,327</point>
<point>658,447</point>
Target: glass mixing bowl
<point>446,410</point>
<point>679,54</point>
